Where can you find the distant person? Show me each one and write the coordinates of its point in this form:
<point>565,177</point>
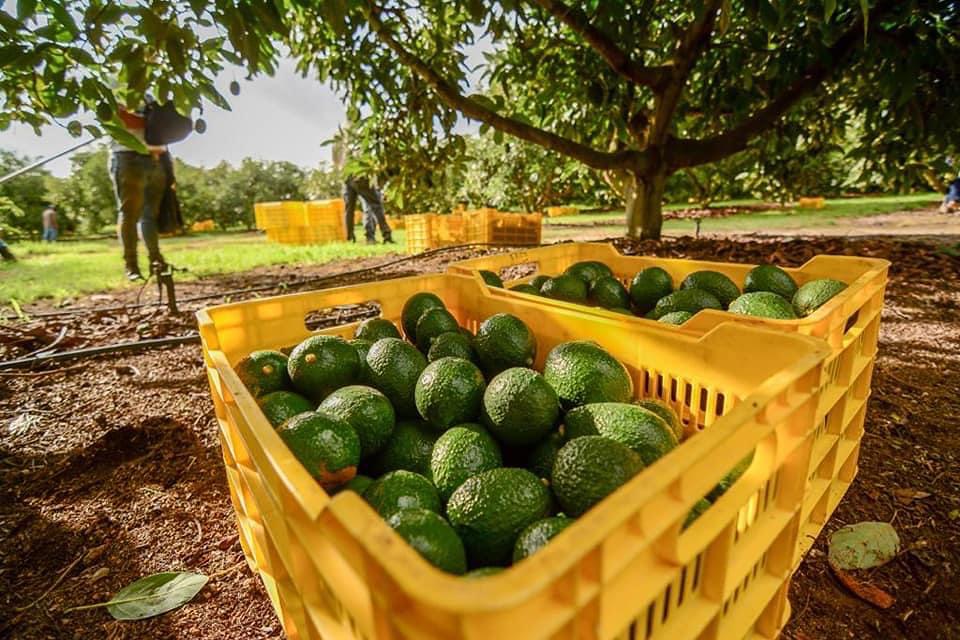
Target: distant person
<point>373,215</point>
<point>141,180</point>
<point>952,202</point>
<point>50,223</point>
<point>5,252</point>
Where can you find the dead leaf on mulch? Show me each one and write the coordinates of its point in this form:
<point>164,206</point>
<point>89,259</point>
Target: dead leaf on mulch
<point>906,496</point>
<point>864,590</point>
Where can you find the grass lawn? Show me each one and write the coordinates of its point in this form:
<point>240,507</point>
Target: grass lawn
<point>790,218</point>
<point>66,269</point>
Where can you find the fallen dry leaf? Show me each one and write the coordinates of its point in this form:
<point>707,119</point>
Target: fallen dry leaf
<point>864,590</point>
<point>906,496</point>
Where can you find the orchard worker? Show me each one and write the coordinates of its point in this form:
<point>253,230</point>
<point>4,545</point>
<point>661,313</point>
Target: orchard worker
<point>373,215</point>
<point>142,179</point>
<point>49,218</point>
<point>358,185</point>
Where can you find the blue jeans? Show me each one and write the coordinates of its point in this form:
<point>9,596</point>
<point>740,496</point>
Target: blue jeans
<point>139,182</point>
<point>50,234</point>
<point>373,215</point>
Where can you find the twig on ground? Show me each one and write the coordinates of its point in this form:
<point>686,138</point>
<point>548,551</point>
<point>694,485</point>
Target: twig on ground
<point>55,584</point>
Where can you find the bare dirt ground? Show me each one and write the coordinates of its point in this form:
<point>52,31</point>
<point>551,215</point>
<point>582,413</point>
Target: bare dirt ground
<point>110,467</point>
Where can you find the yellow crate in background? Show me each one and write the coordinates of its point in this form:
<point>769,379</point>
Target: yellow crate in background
<point>811,203</point>
<point>627,568</point>
<point>277,215</point>
<point>288,235</point>
<point>489,226</point>
<point>849,323</point>
<point>427,231</point>
<point>556,212</point>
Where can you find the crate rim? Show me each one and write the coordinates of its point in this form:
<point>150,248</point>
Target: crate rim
<point>422,580</point>
<point>878,266</point>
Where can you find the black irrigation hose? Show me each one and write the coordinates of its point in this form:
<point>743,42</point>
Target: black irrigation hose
<point>140,345</point>
<point>270,287</point>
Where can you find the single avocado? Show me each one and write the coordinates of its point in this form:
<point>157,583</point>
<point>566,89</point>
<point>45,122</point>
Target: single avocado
<point>537,535</point>
<point>538,281</point>
<point>541,457</point>
<point>607,292</point>
<point>449,392</point>
<point>490,509</point>
<point>583,372</point>
<point>698,509</point>
<point>525,288</point>
<point>374,329</point>
<point>452,345</point>
<point>640,429</point>
<point>402,489</point>
<point>590,468</point>
<point>648,286</point>
<point>393,368</point>
<point>432,537</point>
<point>328,448</point>
<point>491,278</point>
<point>433,323</point>
<point>409,448</point>
<point>814,294</point>
<point>413,308</point>
<point>565,287</point>
<point>460,453</point>
<point>767,277</point>
<point>723,288</point>
<point>689,300</point>
<point>280,406</point>
<point>321,364</point>
<point>504,341</point>
<point>519,407</point>
<point>675,317</point>
<point>763,304</point>
<point>366,410</point>
<point>666,412</point>
<point>263,372</point>
<point>589,271</point>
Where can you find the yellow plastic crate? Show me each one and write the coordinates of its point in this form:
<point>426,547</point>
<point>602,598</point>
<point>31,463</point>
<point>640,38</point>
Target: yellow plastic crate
<point>286,235</point>
<point>489,226</point>
<point>334,569</point>
<point>849,323</point>
<point>427,231</point>
<point>277,215</point>
<point>556,212</point>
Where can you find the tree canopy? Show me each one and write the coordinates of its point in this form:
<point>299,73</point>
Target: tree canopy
<point>636,88</point>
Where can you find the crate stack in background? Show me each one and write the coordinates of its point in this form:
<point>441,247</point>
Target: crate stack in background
<point>296,222</point>
<point>427,231</point>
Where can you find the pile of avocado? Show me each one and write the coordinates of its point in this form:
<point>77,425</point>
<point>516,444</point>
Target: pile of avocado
<point>768,292</point>
<point>472,456</point>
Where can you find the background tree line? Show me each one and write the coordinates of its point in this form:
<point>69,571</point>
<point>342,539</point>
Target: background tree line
<point>474,170</point>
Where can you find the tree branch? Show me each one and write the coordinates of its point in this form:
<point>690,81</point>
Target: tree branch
<point>691,44</point>
<point>688,152</point>
<point>451,95</point>
<point>618,60</point>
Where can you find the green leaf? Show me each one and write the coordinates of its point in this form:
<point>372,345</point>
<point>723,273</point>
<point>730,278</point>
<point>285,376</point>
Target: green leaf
<point>829,6</point>
<point>124,137</point>
<point>863,545</point>
<point>726,8</point>
<point>214,96</point>
<point>26,8</point>
<point>153,595</point>
<point>484,101</point>
<point>63,17</point>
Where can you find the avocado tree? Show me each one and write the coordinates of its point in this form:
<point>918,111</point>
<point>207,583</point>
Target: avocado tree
<point>635,88</point>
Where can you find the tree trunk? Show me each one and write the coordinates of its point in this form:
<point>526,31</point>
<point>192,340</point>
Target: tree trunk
<point>645,206</point>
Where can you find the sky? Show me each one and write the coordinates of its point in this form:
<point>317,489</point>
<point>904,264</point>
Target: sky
<point>284,117</point>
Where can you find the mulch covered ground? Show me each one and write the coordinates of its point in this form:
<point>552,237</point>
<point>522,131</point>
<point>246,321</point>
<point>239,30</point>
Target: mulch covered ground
<point>110,468</point>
